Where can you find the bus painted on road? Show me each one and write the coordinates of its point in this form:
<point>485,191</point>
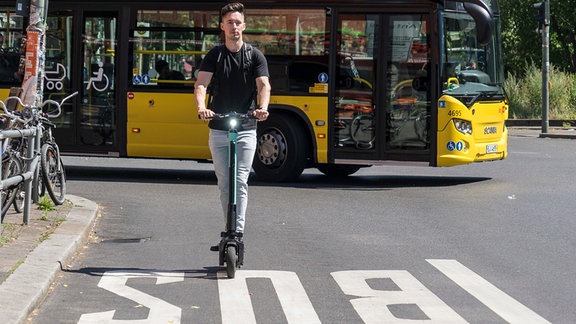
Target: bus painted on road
<point>354,83</point>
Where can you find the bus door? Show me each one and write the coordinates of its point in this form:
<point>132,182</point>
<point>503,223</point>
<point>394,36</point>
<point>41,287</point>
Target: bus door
<point>381,105</point>
<point>83,62</point>
<point>98,114</point>
<point>58,73</point>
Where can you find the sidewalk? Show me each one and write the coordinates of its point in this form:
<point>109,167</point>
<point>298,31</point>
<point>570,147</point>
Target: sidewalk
<point>533,128</point>
<point>553,132</point>
<point>28,267</point>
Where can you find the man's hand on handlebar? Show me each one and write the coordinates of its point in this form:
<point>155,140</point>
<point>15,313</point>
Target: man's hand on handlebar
<point>205,114</point>
<point>260,114</point>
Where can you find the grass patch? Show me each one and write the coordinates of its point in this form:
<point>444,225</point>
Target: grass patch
<point>44,223</point>
<point>9,233</point>
<point>525,93</point>
<point>15,266</point>
<point>45,203</point>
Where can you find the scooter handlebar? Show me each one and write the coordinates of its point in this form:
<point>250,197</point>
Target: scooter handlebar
<point>234,115</point>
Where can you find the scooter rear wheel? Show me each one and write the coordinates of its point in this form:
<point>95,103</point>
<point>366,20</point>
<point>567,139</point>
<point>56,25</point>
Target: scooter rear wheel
<point>231,260</point>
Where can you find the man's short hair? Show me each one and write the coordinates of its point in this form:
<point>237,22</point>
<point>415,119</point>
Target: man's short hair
<point>231,7</point>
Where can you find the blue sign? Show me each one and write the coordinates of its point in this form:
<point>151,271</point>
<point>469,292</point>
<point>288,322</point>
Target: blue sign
<point>459,146</point>
<point>145,79</point>
<point>323,77</point>
<point>451,146</point>
<point>137,79</point>
<point>441,104</point>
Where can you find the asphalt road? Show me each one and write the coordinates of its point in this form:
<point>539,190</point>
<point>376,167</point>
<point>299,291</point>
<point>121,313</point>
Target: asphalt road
<point>483,243</point>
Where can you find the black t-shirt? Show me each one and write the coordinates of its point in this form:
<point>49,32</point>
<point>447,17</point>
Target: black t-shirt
<point>236,90</point>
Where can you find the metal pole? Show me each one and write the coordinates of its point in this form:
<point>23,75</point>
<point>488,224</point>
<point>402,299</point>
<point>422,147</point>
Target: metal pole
<point>33,160</point>
<point>33,82</point>
<point>545,66</point>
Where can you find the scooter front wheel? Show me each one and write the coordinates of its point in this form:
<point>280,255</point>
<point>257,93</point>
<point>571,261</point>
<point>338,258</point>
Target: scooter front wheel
<point>231,260</point>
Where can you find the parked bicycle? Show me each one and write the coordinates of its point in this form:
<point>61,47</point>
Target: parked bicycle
<point>51,168</point>
<point>12,165</point>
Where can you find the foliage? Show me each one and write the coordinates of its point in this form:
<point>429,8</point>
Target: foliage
<point>521,42</point>
<point>525,93</point>
<point>46,204</point>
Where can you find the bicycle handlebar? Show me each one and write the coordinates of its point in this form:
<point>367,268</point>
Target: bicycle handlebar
<point>46,102</point>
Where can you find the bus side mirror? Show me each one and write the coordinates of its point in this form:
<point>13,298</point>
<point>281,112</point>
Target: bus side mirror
<point>483,16</point>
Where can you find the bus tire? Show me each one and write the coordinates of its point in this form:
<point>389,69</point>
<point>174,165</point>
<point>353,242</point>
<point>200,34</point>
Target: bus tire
<point>282,149</point>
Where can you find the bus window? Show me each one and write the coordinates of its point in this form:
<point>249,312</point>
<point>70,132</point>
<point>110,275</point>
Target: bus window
<point>303,75</point>
<point>58,64</point>
<point>168,46</point>
<point>287,32</point>
<point>10,39</point>
<point>468,69</point>
<point>355,107</point>
<point>408,110</point>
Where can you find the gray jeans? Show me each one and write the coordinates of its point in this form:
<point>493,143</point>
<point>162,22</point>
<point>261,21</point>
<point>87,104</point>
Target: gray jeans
<point>246,147</point>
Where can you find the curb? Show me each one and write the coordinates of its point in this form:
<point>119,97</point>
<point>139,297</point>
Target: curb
<point>558,135</point>
<point>25,288</point>
<point>533,127</point>
<point>537,132</point>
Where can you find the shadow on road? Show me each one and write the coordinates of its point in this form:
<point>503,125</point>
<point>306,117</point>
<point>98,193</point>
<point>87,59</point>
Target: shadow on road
<point>206,273</point>
<point>309,181</point>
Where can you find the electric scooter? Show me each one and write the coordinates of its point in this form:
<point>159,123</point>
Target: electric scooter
<point>231,246</point>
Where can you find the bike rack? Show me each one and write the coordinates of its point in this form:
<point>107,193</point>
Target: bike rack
<point>33,134</point>
<point>32,159</point>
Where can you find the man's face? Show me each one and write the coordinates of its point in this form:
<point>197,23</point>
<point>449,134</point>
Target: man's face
<point>233,25</point>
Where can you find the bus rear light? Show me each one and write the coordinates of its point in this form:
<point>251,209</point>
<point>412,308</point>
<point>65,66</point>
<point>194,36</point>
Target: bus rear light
<point>463,126</point>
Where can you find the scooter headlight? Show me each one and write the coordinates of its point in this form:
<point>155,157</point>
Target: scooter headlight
<point>233,122</point>
<point>463,126</point>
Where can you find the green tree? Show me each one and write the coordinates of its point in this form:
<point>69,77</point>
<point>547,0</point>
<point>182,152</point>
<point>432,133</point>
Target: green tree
<point>522,44</point>
<point>563,18</point>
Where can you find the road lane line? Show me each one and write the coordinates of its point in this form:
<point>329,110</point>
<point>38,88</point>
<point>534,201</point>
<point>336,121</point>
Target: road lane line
<point>502,304</point>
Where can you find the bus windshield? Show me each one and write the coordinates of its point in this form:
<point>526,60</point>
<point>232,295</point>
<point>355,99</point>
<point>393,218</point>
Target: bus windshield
<point>470,68</point>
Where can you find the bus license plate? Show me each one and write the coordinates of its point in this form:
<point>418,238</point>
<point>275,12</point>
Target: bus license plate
<point>491,148</point>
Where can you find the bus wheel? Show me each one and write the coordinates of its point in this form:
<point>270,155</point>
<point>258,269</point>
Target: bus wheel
<point>282,149</point>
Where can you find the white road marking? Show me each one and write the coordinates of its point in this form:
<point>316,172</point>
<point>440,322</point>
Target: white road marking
<point>372,306</point>
<point>160,310</point>
<point>502,304</point>
<point>236,306</point>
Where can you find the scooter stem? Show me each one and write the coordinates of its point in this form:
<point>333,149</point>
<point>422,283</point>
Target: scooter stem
<point>232,173</point>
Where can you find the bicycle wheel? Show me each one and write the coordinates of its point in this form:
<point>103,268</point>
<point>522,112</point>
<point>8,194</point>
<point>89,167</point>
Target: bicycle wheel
<point>19,198</point>
<point>38,187</point>
<point>53,174</point>
<point>362,131</point>
<point>11,167</point>
<point>231,259</point>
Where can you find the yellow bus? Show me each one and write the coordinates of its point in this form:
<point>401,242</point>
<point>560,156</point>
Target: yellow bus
<point>354,83</point>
